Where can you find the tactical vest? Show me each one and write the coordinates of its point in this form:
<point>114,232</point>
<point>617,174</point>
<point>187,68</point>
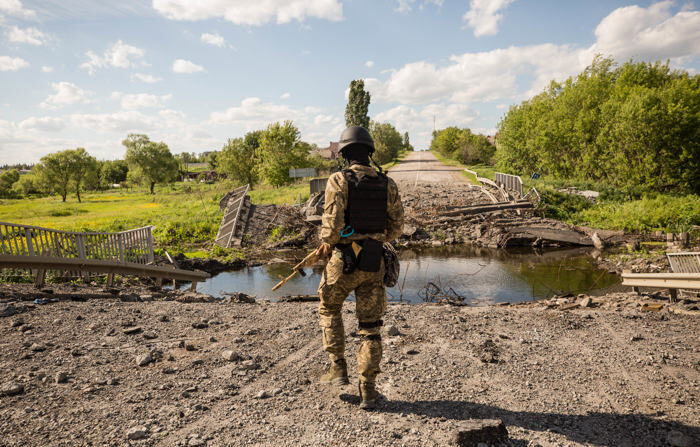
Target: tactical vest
<point>367,202</point>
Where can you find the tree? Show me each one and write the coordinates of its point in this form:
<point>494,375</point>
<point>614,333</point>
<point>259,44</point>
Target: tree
<point>387,141</point>
<point>113,172</point>
<point>213,160</point>
<point>55,172</point>
<point>183,164</point>
<point>7,180</point>
<point>281,149</point>
<point>149,161</point>
<point>358,105</point>
<point>407,143</point>
<point>82,164</point>
<point>26,185</point>
<point>237,158</point>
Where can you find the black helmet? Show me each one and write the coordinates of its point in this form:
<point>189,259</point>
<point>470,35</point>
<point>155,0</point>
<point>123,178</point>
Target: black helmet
<point>356,135</point>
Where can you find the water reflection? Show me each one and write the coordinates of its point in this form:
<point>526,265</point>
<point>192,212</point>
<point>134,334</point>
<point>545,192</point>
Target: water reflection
<point>478,274</point>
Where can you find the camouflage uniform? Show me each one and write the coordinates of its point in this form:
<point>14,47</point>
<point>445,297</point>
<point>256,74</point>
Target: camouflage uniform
<point>368,286</point>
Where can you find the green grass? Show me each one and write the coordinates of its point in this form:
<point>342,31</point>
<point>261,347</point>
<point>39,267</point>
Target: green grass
<point>400,156</point>
<point>186,215</point>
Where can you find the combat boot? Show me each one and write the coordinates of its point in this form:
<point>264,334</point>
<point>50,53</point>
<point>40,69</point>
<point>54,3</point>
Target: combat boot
<point>337,373</point>
<point>368,395</point>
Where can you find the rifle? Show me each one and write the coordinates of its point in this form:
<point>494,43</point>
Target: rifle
<point>310,259</point>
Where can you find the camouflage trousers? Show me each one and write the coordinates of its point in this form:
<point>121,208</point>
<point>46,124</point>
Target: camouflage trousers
<point>371,305</point>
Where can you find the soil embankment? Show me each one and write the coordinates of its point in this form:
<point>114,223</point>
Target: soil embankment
<point>161,372</point>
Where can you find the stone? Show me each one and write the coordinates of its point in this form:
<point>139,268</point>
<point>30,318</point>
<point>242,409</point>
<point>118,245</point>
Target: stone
<point>136,433</point>
<point>196,442</point>
<point>586,302</point>
<point>11,389</point>
<point>37,347</point>
<point>7,310</point>
<point>473,432</point>
<point>144,359</point>
<point>61,377</point>
<point>250,332</point>
<point>250,364</point>
<point>262,395</point>
<point>17,323</point>
<point>230,356</point>
<point>678,439</point>
<point>168,370</point>
<point>150,335</point>
<point>129,297</point>
<point>392,331</point>
<point>132,330</point>
<point>597,241</point>
<point>200,325</point>
<point>190,347</point>
<point>410,351</point>
<point>213,339</point>
<point>163,318</point>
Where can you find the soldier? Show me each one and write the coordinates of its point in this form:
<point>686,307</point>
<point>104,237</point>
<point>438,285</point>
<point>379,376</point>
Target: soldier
<point>362,211</point>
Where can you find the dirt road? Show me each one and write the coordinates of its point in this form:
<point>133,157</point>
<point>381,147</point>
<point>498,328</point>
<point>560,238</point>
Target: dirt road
<point>605,377</point>
<point>424,167</point>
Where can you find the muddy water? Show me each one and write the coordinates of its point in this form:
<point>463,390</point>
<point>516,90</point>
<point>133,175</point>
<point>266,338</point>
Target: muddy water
<point>478,275</point>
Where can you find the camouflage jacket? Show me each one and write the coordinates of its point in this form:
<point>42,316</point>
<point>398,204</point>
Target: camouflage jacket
<point>336,202</point>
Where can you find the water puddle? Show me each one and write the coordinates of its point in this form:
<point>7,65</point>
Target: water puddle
<point>480,275</point>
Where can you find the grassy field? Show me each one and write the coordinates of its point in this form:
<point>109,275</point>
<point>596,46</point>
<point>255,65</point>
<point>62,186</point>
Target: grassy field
<point>630,209</point>
<point>186,215</point>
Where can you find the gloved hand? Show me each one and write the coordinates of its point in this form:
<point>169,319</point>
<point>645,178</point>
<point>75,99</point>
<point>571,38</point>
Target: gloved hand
<point>324,251</point>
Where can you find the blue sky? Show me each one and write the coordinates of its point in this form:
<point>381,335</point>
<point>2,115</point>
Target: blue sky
<point>191,74</point>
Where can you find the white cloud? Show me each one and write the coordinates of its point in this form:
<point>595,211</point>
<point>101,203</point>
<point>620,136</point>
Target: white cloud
<point>484,16</point>
<point>46,69</point>
<point>135,101</point>
<point>149,79</point>
<point>65,94</point>
<point>119,55</point>
<point>369,64</point>
<point>651,33</point>
<point>43,124</point>
<point>183,66</point>
<point>32,36</point>
<point>14,8</point>
<point>8,63</point>
<point>406,5</point>
<point>245,12</point>
<point>213,39</point>
<point>286,95</point>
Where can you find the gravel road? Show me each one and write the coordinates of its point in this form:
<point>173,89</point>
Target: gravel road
<point>239,374</point>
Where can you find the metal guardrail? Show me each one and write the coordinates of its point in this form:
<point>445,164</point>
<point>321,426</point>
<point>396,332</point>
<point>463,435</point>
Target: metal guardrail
<point>510,182</point>
<point>317,185</point>
<point>671,281</point>
<point>684,262</point>
<point>135,246</point>
<point>232,218</point>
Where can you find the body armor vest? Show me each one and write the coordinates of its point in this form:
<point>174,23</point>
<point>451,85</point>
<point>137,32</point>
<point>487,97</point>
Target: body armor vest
<point>367,202</point>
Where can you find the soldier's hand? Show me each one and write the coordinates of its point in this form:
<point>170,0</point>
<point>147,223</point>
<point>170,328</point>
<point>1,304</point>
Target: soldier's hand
<point>324,250</point>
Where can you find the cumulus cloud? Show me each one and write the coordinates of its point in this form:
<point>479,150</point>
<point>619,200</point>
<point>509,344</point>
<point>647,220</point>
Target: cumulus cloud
<point>43,124</point>
<point>149,79</point>
<point>15,8</point>
<point>484,16</point>
<point>46,69</point>
<point>31,36</point>
<point>133,101</point>
<point>286,95</point>
<point>244,12</point>
<point>8,63</point>
<point>213,39</point>
<point>124,121</point>
<point>65,94</point>
<point>646,34</point>
<point>369,64</point>
<point>119,55</point>
<point>652,33</point>
<point>183,66</point>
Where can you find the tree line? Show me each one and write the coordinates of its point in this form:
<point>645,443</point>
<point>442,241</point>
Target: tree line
<point>463,145</point>
<point>634,125</point>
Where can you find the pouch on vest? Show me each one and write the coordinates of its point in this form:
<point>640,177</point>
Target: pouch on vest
<point>349,258</point>
<point>370,259</point>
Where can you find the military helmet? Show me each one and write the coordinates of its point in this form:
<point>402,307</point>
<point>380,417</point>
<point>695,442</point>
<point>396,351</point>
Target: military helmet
<point>356,135</point>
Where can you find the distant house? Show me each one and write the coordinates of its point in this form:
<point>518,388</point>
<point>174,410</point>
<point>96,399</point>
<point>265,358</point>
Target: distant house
<point>204,176</point>
<point>329,153</point>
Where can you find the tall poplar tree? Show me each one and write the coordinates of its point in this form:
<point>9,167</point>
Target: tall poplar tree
<point>358,104</point>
